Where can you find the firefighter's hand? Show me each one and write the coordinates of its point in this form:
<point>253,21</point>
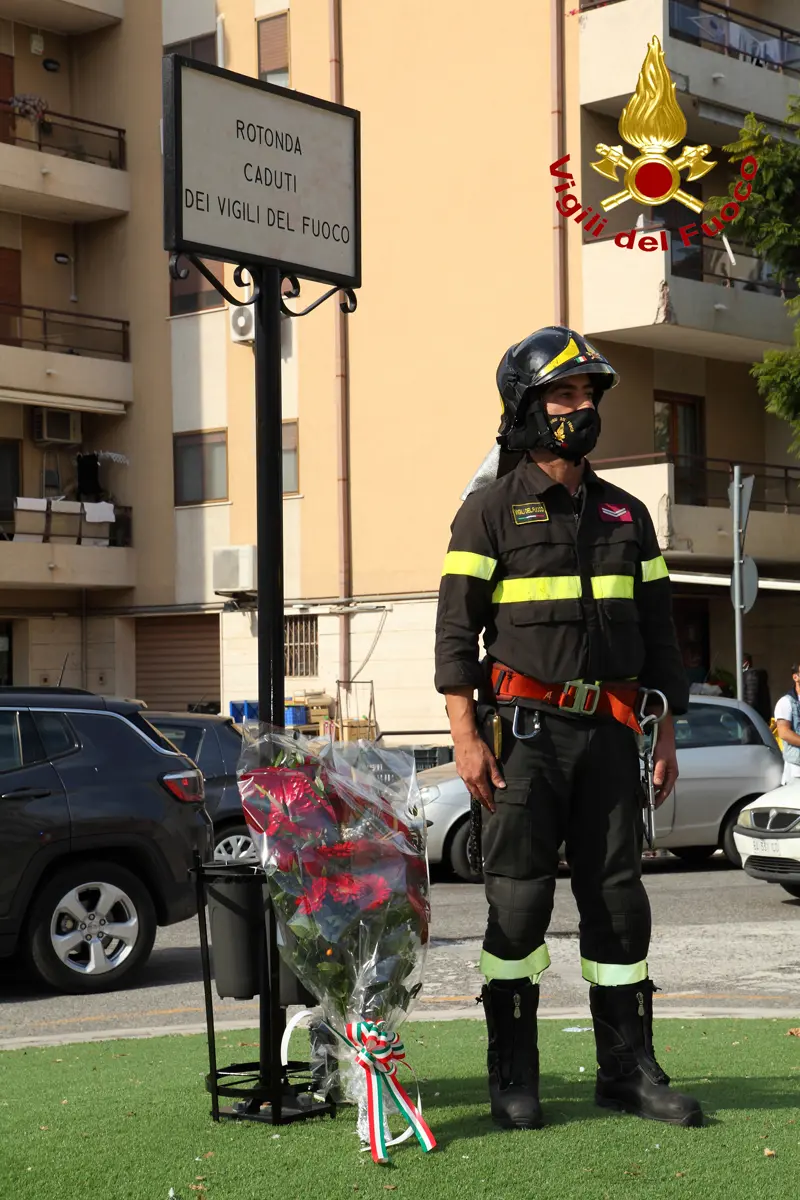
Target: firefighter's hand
<point>478,768</point>
<point>665,761</point>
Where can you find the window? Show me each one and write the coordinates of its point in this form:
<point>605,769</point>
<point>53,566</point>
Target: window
<point>10,474</point>
<point>291,475</point>
<point>56,734</point>
<point>273,50</point>
<point>302,646</point>
<point>186,738</point>
<point>19,742</point>
<point>678,431</point>
<point>714,725</point>
<point>194,293</point>
<point>201,467</point>
<point>202,48</point>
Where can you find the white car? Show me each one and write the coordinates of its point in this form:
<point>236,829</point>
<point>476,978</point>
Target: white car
<point>726,757</point>
<point>767,836</point>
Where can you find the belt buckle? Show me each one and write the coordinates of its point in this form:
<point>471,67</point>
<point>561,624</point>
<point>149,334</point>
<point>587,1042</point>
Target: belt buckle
<point>585,698</point>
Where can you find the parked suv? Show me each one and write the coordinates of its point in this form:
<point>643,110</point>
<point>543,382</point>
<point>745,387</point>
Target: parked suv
<point>101,817</point>
<point>214,743</point>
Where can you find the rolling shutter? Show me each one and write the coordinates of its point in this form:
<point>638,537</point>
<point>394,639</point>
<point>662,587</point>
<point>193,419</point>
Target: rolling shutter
<point>273,45</point>
<point>177,662</point>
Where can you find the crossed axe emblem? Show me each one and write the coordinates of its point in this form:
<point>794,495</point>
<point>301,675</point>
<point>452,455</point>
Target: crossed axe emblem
<point>614,157</point>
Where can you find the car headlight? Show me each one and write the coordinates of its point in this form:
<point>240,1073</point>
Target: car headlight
<point>746,818</point>
<point>429,794</point>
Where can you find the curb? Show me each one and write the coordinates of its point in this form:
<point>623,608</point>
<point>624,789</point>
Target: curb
<point>445,1014</point>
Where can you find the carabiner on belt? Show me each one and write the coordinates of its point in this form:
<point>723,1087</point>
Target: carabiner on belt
<point>649,723</point>
<point>537,725</point>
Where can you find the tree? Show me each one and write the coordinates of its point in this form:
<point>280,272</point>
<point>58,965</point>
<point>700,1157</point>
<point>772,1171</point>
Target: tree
<point>768,224</point>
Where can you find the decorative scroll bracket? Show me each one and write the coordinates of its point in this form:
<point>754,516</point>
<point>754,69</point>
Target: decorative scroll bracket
<point>347,305</point>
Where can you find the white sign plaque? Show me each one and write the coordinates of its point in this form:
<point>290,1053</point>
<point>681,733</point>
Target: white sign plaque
<point>259,173</point>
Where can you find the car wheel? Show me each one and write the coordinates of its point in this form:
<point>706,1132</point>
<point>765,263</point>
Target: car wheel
<point>235,844</point>
<point>694,854</point>
<point>793,889</point>
<point>458,855</point>
<point>726,840</point>
<point>92,927</point>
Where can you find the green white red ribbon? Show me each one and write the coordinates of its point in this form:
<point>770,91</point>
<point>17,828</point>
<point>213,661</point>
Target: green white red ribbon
<point>378,1053</point>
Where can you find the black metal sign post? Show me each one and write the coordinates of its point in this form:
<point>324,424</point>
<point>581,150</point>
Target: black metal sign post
<point>215,112</point>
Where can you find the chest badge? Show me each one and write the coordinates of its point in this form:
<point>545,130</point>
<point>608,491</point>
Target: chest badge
<point>615,512</point>
<point>526,514</point>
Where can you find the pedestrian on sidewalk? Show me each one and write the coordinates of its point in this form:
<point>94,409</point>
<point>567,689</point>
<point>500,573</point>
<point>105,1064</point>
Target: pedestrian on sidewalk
<point>787,720</point>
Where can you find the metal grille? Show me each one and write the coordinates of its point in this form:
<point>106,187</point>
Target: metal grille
<point>775,866</point>
<point>302,647</point>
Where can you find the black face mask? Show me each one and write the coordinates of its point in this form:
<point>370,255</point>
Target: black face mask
<point>575,434</point>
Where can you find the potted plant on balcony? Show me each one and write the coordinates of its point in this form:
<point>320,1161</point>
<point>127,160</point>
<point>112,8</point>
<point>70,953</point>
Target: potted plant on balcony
<point>29,108</point>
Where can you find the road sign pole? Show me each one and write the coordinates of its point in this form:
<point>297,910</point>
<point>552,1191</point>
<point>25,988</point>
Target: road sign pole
<point>269,496</point>
<point>737,577</point>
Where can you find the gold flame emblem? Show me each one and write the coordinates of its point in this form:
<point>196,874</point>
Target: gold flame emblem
<point>652,121</point>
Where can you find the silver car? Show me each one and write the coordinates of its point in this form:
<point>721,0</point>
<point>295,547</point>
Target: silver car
<point>726,756</point>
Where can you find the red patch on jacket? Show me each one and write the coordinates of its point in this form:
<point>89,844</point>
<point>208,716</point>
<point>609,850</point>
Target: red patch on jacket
<point>614,512</point>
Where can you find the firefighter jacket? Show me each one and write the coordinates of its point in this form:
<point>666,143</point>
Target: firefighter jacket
<point>558,595</point>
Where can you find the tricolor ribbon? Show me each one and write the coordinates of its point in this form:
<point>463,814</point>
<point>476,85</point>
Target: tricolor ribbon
<point>378,1053</point>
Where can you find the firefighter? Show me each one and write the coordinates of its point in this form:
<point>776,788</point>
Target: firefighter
<point>562,574</point>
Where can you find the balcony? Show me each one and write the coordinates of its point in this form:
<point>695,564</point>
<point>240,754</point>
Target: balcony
<point>727,61</point>
<point>691,300</point>
<point>61,168</point>
<point>65,16</point>
<point>57,359</point>
<point>55,544</point>
<point>687,498</point>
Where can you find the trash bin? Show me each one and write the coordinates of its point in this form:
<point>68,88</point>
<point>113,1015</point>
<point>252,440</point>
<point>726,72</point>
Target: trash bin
<point>238,902</point>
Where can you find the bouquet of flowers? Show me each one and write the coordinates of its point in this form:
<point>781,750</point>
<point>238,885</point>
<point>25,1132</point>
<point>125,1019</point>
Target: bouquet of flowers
<point>341,836</point>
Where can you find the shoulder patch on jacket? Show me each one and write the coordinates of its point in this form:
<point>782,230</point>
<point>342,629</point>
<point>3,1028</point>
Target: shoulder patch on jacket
<point>533,510</point>
<point>614,512</point>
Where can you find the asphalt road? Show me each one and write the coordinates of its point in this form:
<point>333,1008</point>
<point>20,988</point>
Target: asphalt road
<point>722,943</point>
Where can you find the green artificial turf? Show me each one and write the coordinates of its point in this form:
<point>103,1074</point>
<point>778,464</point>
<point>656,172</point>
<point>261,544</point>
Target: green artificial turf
<point>128,1120</point>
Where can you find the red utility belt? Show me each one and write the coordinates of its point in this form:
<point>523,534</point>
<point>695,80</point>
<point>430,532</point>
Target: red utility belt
<point>617,700</point>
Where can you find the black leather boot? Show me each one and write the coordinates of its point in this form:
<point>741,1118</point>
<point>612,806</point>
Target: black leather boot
<point>513,1058</point>
<point>629,1079</point>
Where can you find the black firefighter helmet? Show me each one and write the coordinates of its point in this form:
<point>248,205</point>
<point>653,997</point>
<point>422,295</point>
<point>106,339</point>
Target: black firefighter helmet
<point>527,368</point>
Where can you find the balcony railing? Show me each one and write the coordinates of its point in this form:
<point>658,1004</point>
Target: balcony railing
<point>68,137</point>
<point>53,527</point>
<point>736,34</point>
<point>37,328</point>
<point>705,481</point>
<point>709,262</point>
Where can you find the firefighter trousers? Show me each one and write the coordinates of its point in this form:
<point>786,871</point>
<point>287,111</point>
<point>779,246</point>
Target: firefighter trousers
<point>577,782</point>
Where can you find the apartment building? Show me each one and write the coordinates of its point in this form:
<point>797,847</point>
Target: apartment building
<point>463,253</point>
<point>462,256</point>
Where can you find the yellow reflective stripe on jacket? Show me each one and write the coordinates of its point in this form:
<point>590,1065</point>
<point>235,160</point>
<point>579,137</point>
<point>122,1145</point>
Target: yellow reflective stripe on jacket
<point>531,967</point>
<point>606,587</point>
<point>612,974</point>
<point>654,568</point>
<point>546,587</point>
<point>464,562</point>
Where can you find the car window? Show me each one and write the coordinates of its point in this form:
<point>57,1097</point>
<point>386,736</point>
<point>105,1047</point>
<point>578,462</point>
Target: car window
<point>10,746</point>
<point>714,725</point>
<point>56,733</point>
<point>19,741</point>
<point>186,738</point>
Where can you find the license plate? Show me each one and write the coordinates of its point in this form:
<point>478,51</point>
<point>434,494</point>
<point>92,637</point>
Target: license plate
<point>762,847</point>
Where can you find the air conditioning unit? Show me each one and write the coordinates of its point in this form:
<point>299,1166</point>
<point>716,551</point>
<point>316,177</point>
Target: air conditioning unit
<point>243,324</point>
<point>57,427</point>
<point>234,570</point>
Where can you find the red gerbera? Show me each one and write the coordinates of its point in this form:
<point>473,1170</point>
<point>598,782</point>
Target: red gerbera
<point>345,888</point>
<point>375,891</point>
<point>314,897</point>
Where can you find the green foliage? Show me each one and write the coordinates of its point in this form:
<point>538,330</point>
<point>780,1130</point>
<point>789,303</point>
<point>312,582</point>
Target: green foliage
<point>768,223</point>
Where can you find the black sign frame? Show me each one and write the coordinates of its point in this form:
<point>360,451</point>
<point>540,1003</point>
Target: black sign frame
<point>174,241</point>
